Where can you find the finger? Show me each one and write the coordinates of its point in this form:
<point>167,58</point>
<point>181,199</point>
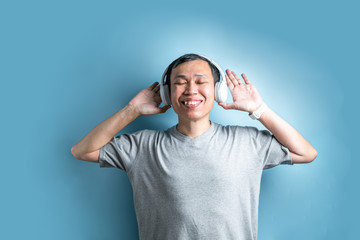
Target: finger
<point>237,78</point>
<point>229,83</point>
<point>153,85</point>
<point>164,108</point>
<point>232,78</point>
<point>247,81</point>
<point>156,89</point>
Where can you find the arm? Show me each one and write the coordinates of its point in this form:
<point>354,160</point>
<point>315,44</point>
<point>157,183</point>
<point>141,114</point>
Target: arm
<point>145,102</point>
<point>301,151</point>
<point>247,98</point>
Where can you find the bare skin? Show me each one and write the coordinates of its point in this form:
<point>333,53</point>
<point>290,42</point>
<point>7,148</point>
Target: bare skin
<point>192,82</point>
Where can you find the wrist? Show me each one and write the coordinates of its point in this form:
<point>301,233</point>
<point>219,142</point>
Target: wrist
<point>131,110</point>
<point>253,107</point>
<point>258,112</point>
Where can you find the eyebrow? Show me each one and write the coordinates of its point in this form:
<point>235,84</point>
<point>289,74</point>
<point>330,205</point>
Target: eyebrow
<point>196,75</point>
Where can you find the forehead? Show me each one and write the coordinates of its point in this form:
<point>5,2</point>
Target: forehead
<point>194,67</point>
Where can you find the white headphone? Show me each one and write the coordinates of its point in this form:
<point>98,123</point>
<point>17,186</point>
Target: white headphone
<point>220,86</point>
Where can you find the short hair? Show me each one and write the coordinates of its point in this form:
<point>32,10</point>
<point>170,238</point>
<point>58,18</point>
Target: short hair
<point>187,58</point>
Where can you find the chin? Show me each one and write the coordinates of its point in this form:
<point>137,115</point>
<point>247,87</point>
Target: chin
<point>193,117</point>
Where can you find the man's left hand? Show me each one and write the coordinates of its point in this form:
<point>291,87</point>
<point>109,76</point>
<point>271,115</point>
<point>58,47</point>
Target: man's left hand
<point>245,95</point>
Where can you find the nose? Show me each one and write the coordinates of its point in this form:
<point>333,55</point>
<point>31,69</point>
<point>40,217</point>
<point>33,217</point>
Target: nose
<point>191,88</point>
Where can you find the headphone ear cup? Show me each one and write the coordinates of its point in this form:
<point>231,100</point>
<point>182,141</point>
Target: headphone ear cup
<point>220,91</point>
<point>164,94</point>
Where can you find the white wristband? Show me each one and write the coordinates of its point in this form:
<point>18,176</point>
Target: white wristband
<point>257,114</point>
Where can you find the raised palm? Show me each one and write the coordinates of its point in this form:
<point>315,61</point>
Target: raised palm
<point>148,100</point>
<point>245,95</point>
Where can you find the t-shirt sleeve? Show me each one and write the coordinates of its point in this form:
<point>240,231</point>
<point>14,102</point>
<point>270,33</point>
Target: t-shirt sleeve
<point>120,152</point>
<point>270,151</point>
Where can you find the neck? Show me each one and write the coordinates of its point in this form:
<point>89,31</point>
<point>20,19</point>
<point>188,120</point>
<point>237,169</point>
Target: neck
<point>195,128</point>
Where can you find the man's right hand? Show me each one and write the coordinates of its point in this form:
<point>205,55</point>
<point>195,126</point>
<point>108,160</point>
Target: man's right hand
<point>147,101</point>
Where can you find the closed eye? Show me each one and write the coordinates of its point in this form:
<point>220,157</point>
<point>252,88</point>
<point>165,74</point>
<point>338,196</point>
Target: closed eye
<point>202,82</point>
<point>180,82</point>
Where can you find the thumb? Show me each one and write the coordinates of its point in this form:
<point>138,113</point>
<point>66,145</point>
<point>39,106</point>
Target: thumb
<point>164,108</point>
<point>227,105</point>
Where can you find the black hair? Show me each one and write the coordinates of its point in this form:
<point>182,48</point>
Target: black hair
<point>187,58</point>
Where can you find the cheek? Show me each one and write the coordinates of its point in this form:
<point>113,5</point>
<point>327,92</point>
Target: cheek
<point>209,93</point>
<point>174,94</point>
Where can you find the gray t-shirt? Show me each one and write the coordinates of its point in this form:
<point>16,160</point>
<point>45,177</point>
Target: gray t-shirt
<point>202,188</point>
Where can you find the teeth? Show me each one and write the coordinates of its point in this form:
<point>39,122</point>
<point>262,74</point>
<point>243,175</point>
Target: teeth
<point>191,102</point>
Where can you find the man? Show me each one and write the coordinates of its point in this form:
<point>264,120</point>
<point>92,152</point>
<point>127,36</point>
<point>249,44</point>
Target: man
<point>198,179</point>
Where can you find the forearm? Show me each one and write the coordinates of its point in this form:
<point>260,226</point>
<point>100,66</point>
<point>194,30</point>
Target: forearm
<point>104,132</point>
<point>301,150</point>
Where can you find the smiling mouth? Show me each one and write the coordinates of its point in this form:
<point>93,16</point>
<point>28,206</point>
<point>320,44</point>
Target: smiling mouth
<point>191,104</point>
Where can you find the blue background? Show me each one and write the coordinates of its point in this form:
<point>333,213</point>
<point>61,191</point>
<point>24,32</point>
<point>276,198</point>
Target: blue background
<point>68,65</point>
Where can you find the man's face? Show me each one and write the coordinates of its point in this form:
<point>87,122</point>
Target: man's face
<point>192,90</point>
